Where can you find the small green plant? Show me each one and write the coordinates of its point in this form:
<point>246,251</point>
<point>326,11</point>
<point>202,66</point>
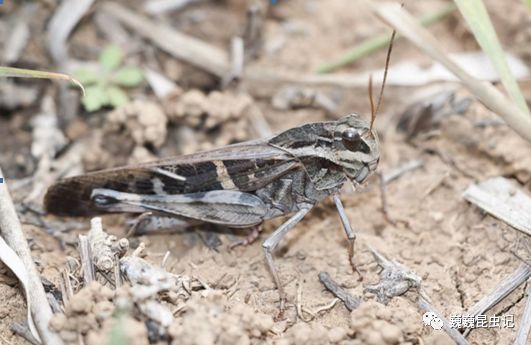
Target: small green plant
<point>103,88</point>
<point>118,335</point>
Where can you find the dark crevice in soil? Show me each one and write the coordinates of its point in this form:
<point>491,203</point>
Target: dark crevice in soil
<point>510,306</point>
<point>459,289</point>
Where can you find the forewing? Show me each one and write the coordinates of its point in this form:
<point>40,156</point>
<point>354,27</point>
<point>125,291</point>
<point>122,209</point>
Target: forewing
<point>242,167</point>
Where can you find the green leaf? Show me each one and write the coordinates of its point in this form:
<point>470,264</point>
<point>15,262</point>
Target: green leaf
<point>128,76</point>
<point>117,97</point>
<point>95,98</point>
<point>478,20</point>
<point>111,57</point>
<point>86,76</point>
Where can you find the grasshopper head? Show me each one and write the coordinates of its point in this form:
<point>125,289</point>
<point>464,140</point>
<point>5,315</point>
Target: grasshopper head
<point>356,147</point>
<point>356,143</point>
<point>349,144</point>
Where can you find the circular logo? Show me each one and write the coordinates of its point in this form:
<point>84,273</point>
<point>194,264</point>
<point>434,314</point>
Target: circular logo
<point>437,323</point>
<point>431,319</point>
<point>427,317</point>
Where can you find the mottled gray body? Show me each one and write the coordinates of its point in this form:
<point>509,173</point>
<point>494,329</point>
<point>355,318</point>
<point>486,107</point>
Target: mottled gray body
<point>236,186</point>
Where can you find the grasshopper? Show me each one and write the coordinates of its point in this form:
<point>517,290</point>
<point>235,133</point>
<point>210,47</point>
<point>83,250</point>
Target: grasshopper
<point>240,185</point>
<point>237,186</point>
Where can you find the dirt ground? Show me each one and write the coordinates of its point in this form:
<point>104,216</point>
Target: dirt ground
<point>460,253</point>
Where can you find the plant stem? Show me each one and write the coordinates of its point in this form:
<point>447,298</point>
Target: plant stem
<point>377,42</point>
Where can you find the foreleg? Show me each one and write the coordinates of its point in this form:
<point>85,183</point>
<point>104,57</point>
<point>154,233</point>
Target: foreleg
<point>351,235</point>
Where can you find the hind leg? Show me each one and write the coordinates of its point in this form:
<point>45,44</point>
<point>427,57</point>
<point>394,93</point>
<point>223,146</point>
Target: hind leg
<point>149,222</point>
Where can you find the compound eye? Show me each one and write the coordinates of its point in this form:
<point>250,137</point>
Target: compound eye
<point>351,139</point>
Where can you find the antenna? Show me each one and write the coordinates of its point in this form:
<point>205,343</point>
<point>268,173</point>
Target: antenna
<point>374,110</point>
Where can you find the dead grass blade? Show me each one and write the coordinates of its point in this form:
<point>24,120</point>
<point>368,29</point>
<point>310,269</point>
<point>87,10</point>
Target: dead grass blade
<point>29,73</point>
<point>402,21</point>
<point>13,262</point>
<point>478,20</point>
<point>503,199</point>
<point>11,232</point>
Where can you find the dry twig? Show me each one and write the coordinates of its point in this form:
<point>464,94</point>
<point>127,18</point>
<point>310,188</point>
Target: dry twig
<point>105,248</point>
<point>85,254</point>
<point>254,28</point>
<point>350,301</point>
<point>237,61</point>
<point>187,48</point>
